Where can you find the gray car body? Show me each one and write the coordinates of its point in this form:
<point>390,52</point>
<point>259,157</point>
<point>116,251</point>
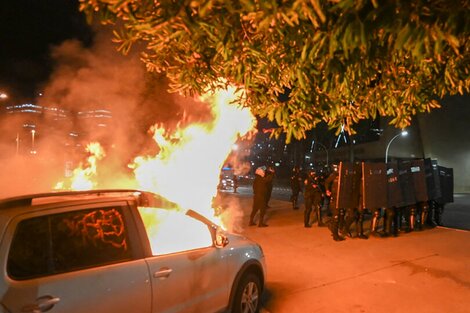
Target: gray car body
<point>200,280</point>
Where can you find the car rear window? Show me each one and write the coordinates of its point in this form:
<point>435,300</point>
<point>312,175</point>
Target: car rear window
<point>69,241</point>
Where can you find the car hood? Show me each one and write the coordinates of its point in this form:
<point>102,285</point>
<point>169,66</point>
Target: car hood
<point>237,241</point>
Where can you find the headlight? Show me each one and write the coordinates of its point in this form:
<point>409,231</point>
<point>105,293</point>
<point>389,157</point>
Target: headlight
<point>221,240</point>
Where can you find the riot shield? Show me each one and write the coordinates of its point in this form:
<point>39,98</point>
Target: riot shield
<point>405,178</point>
<point>432,179</point>
<point>419,180</point>
<point>348,185</point>
<point>446,178</point>
<point>374,185</point>
<point>394,193</point>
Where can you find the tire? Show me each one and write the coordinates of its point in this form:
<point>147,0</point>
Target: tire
<point>248,295</point>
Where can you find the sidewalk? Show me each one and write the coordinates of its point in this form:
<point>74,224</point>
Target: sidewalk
<point>457,213</point>
<point>427,271</point>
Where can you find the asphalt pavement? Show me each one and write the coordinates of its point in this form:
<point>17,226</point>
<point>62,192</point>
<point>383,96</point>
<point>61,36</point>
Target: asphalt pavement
<point>421,271</point>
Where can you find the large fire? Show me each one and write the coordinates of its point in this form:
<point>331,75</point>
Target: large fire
<point>84,176</point>
<point>186,168</point>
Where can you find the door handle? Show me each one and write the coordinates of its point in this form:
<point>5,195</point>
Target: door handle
<point>164,272</point>
<point>43,304</point>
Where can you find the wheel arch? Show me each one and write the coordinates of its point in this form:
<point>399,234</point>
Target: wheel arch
<point>251,266</point>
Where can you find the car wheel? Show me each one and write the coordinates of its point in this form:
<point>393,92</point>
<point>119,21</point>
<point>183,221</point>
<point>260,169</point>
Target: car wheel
<point>247,298</point>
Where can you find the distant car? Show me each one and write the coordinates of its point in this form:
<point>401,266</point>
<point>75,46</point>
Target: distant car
<point>226,183</point>
<point>111,251</point>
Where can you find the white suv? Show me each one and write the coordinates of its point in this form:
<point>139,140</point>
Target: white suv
<point>94,251</point>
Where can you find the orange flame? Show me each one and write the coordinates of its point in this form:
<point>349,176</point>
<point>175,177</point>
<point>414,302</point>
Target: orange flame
<point>187,168</point>
<point>84,178</point>
<point>171,231</point>
<point>185,171</point>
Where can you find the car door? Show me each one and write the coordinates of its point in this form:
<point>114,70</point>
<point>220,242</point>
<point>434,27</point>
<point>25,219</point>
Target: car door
<point>191,281</point>
<point>188,273</point>
<point>73,260</point>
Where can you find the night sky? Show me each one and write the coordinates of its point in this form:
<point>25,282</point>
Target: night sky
<point>28,29</point>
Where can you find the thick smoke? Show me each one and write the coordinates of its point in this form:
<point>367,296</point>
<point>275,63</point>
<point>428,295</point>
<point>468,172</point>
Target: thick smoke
<point>102,78</point>
<point>86,80</point>
<point>22,171</point>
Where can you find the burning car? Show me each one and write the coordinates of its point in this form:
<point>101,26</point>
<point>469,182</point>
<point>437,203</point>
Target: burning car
<point>121,251</point>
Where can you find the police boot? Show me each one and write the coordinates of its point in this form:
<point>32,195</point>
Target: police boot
<point>351,216</point>
<point>423,216</point>
<point>422,220</point>
<point>318,212</point>
<point>374,224</point>
<point>360,230</point>
<point>395,223</point>
<point>294,204</point>
<point>388,226</point>
<point>334,229</point>
<point>401,220</point>
<point>307,218</point>
<point>411,223</point>
<point>438,214</point>
<point>431,221</point>
<point>346,231</point>
<point>341,221</point>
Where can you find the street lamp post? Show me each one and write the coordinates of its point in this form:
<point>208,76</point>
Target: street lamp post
<point>326,150</point>
<point>17,143</point>
<point>403,133</point>
<point>33,133</point>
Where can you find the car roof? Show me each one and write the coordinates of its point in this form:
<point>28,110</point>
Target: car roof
<point>69,196</point>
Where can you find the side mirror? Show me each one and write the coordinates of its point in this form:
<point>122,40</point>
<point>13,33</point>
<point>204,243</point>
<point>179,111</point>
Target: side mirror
<point>221,239</point>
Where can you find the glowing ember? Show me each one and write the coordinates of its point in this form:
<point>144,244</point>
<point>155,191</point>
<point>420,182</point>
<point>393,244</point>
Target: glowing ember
<point>187,168</point>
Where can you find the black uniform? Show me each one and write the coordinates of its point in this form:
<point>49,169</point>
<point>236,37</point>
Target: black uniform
<point>260,190</point>
<point>269,177</point>
<point>296,187</point>
<point>235,183</point>
<point>314,191</point>
<point>355,215</point>
<point>331,188</point>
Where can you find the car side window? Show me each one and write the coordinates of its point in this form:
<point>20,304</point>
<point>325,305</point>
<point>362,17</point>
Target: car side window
<point>69,241</point>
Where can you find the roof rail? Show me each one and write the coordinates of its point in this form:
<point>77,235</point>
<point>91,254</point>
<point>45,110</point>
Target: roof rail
<point>28,199</point>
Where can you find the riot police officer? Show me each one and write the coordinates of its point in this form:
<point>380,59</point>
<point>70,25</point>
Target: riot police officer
<point>314,191</point>
<point>331,188</point>
<point>260,190</point>
<point>296,187</point>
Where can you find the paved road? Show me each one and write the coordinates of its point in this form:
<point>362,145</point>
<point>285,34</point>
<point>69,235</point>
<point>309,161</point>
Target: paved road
<point>427,271</point>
